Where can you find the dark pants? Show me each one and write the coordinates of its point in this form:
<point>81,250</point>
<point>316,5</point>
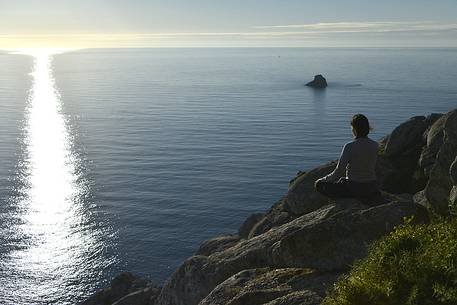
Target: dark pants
<point>367,192</point>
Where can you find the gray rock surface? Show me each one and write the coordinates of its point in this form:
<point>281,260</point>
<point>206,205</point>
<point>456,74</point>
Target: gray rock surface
<point>407,138</point>
<point>453,172</point>
<point>434,139</point>
<point>272,286</point>
<point>276,216</point>
<point>217,244</point>
<point>403,152</point>
<point>453,194</point>
<point>319,82</point>
<point>328,239</point>
<point>145,296</point>
<point>437,192</point>
<point>125,288</point>
<point>302,198</point>
<point>453,199</point>
<point>245,229</point>
<point>303,297</point>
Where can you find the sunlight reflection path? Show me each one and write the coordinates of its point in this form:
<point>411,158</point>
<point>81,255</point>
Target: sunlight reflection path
<point>52,178</point>
<point>61,248</point>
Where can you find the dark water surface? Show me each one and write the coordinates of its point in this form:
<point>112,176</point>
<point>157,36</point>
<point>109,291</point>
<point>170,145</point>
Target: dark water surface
<point>147,152</point>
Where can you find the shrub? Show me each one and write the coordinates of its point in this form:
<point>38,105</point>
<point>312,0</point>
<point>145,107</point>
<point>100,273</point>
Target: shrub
<point>415,264</point>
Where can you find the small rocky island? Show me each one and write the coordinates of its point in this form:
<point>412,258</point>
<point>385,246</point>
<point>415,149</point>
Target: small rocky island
<point>319,82</point>
<point>294,252</point>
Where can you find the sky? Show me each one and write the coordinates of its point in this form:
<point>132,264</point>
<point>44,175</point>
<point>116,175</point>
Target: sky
<point>229,23</point>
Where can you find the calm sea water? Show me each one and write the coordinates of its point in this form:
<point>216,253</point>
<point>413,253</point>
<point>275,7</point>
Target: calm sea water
<point>126,159</point>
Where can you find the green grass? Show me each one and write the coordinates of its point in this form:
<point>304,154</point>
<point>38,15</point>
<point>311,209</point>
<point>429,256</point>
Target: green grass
<point>415,264</point>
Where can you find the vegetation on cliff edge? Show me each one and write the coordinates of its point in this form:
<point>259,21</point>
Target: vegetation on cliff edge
<point>415,264</point>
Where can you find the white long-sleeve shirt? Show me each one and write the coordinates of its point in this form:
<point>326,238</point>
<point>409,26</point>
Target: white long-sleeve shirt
<point>357,161</point>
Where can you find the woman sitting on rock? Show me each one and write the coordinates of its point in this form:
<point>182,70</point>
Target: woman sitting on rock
<point>354,176</point>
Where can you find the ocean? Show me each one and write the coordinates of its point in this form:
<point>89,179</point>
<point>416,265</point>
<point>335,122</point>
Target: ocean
<point>118,160</point>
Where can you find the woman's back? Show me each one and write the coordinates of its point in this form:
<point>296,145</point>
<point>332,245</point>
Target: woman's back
<point>362,156</point>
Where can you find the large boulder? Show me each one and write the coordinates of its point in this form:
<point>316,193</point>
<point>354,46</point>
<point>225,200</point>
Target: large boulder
<point>272,286</point>
<point>318,82</point>
<point>453,199</point>
<point>334,243</point>
<point>453,172</point>
<point>388,176</point>
<point>302,197</point>
<point>277,215</point>
<point>398,169</point>
<point>453,194</point>
<point>146,296</point>
<point>217,244</point>
<point>407,138</point>
<point>434,137</point>
<point>431,120</point>
<point>125,288</point>
<point>328,239</point>
<point>442,142</point>
<point>400,174</point>
<point>301,297</point>
<point>245,229</point>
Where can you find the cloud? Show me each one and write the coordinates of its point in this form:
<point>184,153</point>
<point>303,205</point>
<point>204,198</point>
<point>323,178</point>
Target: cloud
<point>423,33</point>
<point>148,39</point>
<point>364,27</point>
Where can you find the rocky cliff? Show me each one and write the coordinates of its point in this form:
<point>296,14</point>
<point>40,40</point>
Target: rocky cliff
<point>297,249</point>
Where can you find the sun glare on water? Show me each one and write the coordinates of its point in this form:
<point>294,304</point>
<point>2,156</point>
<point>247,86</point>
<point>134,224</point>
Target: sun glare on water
<point>58,245</point>
<point>52,177</point>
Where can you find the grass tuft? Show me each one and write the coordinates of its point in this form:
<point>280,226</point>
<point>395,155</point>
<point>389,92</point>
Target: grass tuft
<point>414,265</point>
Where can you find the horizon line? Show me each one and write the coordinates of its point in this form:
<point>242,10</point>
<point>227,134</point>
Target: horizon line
<point>23,51</point>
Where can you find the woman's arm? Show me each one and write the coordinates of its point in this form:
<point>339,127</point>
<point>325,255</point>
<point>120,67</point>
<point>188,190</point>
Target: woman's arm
<point>340,169</point>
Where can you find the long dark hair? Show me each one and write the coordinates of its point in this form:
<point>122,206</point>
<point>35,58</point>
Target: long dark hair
<point>361,125</point>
